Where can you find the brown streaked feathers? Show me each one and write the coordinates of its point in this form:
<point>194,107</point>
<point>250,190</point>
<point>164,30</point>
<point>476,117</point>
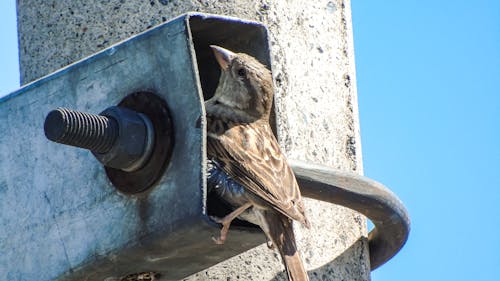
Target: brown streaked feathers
<point>252,157</point>
<point>240,139</point>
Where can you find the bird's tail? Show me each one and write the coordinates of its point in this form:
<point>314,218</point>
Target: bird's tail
<point>283,238</point>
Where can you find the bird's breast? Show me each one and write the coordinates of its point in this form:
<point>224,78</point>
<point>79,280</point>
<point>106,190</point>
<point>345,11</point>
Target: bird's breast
<point>224,186</point>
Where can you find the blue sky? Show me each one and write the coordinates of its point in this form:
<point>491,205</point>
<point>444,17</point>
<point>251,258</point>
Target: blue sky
<point>429,99</point>
<point>428,76</point>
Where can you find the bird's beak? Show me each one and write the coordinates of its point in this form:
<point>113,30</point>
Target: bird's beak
<point>223,56</point>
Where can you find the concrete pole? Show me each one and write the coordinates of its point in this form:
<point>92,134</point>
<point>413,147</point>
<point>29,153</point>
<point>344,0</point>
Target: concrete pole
<point>316,102</point>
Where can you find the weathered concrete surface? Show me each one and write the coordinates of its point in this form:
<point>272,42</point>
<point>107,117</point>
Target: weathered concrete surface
<point>313,67</point>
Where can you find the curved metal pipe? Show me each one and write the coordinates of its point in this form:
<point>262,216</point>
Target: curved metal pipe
<point>366,196</point>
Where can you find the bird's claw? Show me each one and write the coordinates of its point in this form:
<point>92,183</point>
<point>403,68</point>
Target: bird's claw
<point>222,238</point>
<point>270,244</point>
<point>218,241</point>
<point>216,219</point>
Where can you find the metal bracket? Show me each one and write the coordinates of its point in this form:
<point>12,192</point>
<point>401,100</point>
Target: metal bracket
<point>366,196</point>
<point>62,219</point>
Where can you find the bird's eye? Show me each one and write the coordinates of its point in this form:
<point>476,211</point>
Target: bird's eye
<point>242,72</point>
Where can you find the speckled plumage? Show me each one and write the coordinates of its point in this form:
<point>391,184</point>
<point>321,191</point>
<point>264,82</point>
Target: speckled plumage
<point>241,143</point>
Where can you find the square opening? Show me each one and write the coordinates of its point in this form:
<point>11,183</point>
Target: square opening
<point>235,35</point>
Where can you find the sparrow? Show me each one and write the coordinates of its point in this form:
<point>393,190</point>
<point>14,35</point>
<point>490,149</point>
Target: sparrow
<point>262,188</point>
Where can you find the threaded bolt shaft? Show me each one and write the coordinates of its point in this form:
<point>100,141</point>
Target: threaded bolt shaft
<point>94,132</point>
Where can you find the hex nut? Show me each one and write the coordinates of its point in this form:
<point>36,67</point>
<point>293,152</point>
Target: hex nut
<point>132,142</point>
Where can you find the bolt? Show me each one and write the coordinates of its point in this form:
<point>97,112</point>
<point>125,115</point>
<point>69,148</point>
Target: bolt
<point>119,138</point>
<point>90,131</point>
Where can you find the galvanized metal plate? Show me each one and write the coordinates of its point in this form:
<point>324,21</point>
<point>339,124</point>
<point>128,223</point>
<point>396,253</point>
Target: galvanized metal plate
<point>60,216</point>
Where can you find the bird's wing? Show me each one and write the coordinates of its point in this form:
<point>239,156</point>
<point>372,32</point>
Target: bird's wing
<point>249,153</point>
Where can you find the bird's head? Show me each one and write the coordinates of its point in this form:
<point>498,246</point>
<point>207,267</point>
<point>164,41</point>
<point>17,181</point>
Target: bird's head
<point>245,86</point>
